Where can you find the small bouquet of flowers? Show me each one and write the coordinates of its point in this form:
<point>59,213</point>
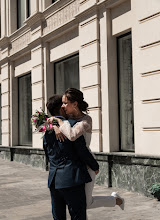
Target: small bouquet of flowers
<point>39,120</point>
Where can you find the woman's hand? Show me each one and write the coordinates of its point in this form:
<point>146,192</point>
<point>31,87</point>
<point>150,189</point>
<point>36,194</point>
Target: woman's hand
<point>59,135</point>
<point>51,119</point>
<point>96,172</point>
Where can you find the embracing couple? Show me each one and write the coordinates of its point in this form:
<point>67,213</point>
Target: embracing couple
<point>72,165</point>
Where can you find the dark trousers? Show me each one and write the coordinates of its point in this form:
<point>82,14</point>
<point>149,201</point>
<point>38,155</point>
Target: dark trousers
<point>73,197</point>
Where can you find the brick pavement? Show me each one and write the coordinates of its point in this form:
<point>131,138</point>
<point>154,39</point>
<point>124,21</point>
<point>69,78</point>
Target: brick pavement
<point>24,196</point>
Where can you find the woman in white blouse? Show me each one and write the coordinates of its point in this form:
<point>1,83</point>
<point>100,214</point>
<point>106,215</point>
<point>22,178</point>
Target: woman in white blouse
<point>75,106</point>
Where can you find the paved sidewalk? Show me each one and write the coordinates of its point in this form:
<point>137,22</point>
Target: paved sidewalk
<point>24,196</point>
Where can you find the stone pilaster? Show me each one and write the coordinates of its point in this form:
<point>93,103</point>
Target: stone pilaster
<point>37,63</point>
<point>109,84</point>
<point>48,74</point>
<point>13,106</point>
<point>37,87</point>
<point>5,94</point>
<point>90,72</point>
<point>3,19</point>
<point>5,91</point>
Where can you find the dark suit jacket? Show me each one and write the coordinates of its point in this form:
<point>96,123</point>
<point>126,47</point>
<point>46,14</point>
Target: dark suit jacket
<point>68,160</point>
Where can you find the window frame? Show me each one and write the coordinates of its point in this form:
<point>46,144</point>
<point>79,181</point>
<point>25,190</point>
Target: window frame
<point>0,115</point>
<point>118,78</point>
<point>59,61</point>
<point>27,145</point>
<point>27,10</point>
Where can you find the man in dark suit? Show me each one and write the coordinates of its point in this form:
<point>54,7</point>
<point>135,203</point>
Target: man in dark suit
<point>68,169</point>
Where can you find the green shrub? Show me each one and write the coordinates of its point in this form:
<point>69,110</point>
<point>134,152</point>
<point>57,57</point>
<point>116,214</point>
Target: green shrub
<point>155,190</point>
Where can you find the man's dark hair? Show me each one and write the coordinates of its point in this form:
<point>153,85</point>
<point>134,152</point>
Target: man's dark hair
<point>54,104</point>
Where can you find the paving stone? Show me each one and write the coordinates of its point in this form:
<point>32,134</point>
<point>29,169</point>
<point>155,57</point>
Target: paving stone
<point>24,195</point>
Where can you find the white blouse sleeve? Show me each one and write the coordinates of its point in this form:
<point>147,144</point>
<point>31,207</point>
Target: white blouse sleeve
<point>80,128</point>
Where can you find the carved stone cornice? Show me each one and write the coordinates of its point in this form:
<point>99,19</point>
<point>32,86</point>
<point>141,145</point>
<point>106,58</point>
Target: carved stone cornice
<point>35,43</point>
<point>62,30</point>
<point>4,61</point>
<point>4,42</point>
<point>109,3</point>
<point>37,17</point>
<point>61,17</point>
<point>20,42</point>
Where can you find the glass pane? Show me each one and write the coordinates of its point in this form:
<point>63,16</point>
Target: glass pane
<point>0,25</point>
<point>126,93</point>
<point>0,119</point>
<point>20,12</point>
<point>28,8</point>
<point>25,110</point>
<point>67,74</point>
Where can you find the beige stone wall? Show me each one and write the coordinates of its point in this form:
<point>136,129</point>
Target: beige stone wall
<point>90,28</point>
<point>146,72</point>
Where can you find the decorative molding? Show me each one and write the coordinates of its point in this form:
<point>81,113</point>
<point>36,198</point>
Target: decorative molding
<point>5,93</point>
<point>88,22</point>
<point>5,119</point>
<point>149,17</point>
<point>4,42</point>
<point>151,101</point>
<point>97,85</point>
<point>61,16</point>
<point>35,44</point>
<point>150,73</point>
<point>4,61</point>
<point>108,4</point>
<point>153,44</point>
<point>34,67</point>
<point>90,65</point>
<point>96,131</point>
<point>151,129</point>
<point>3,80</point>
<point>90,43</point>
<point>21,38</point>
<point>38,99</point>
<point>94,108</point>
<point>5,133</point>
<point>91,87</point>
<point>40,82</point>
<point>37,17</point>
<point>92,8</point>
<point>4,65</point>
<point>21,42</point>
<point>83,1</point>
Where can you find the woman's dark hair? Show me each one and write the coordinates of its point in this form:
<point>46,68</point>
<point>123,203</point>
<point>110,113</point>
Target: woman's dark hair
<point>73,95</point>
<point>54,104</point>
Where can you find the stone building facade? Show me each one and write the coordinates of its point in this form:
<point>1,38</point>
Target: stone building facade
<point>109,49</point>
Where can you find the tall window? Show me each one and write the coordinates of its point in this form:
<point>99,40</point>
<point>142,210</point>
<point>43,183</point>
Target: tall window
<point>125,93</point>
<point>28,8</point>
<point>25,110</point>
<point>23,11</point>
<point>0,21</point>
<point>0,119</point>
<point>66,74</point>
